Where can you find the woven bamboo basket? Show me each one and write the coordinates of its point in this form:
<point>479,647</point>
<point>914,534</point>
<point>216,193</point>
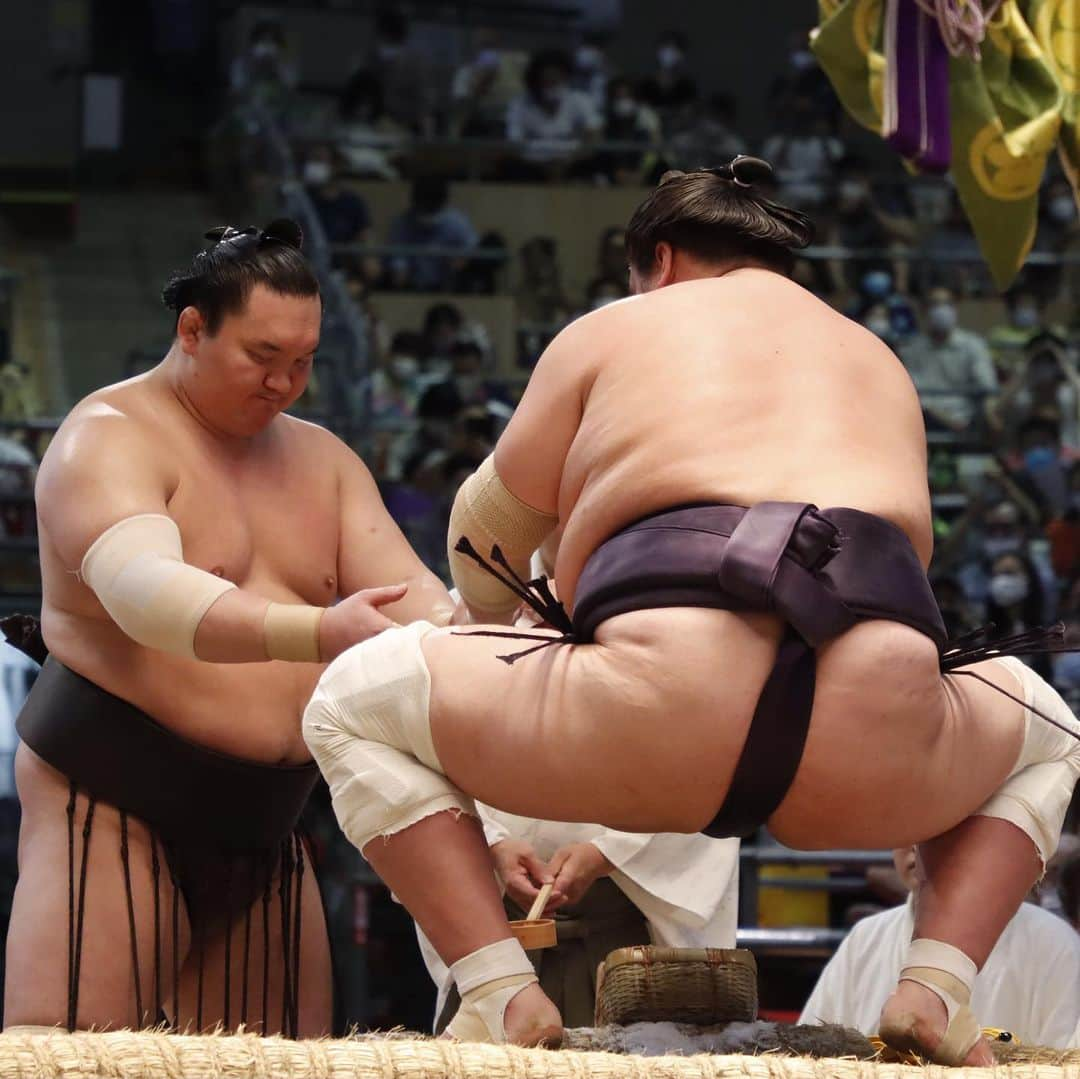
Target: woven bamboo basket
<point>678,985</point>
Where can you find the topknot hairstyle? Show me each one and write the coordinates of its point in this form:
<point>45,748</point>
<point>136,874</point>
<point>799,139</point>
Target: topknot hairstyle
<point>718,215</point>
<point>220,279</point>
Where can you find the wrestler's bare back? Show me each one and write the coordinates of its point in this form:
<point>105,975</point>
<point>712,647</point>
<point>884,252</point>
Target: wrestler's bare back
<point>263,513</point>
<point>738,389</point>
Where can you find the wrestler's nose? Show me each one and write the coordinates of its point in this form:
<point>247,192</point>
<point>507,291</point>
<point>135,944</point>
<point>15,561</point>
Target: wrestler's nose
<point>277,382</point>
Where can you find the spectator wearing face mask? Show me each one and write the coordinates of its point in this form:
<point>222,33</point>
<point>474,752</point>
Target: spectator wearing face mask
<point>483,88</point>
<point>1039,464</point>
<point>1024,318</point>
<point>950,366</point>
<point>395,393</point>
<point>262,73</point>
<point>1043,383</point>
<point>1029,984</point>
<point>429,222</point>
<point>366,139</point>
<point>589,74</point>
<point>804,154</point>
<point>1017,602</point>
<point>671,88</point>
<point>628,120</point>
<point>1058,233</point>
<point>344,213</point>
<point>859,223</point>
<point>709,134</point>
<point>406,70</point>
<point>550,121</point>
<point>950,255</point>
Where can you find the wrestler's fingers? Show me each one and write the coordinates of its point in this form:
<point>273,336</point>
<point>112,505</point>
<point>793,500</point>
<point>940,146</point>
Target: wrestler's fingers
<point>537,869</point>
<point>379,597</point>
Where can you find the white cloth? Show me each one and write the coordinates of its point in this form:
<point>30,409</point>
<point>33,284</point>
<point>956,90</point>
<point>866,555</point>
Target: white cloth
<point>687,886</point>
<point>1030,985</point>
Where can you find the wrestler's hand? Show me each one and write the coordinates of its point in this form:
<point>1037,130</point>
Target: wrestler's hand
<point>520,870</point>
<point>356,618</point>
<point>576,867</point>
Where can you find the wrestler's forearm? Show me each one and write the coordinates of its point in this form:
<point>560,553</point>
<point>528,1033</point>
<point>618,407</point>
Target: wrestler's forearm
<point>427,600</point>
<point>233,630</point>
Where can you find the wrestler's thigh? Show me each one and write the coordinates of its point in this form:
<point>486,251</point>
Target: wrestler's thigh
<point>36,987</point>
<point>896,753</point>
<point>638,731</point>
<point>251,963</point>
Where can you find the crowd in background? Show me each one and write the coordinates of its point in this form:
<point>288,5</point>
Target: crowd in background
<point>1002,404</point>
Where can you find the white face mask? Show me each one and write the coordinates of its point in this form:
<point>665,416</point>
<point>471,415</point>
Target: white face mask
<point>587,58</point>
<point>880,327</point>
<point>404,367</point>
<point>317,172</point>
<point>1007,589</point>
<point>264,50</point>
<point>624,107</point>
<point>1062,209</point>
<point>668,56</point>
<point>1024,318</point>
<point>942,317</point>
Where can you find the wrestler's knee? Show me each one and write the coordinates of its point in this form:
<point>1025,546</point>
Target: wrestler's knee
<point>367,727</point>
<point>1038,790</point>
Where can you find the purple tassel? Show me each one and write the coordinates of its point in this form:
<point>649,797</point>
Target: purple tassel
<point>916,107</point>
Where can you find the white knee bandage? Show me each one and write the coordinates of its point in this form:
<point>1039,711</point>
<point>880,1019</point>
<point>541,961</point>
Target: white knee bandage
<point>367,727</point>
<point>1037,792</point>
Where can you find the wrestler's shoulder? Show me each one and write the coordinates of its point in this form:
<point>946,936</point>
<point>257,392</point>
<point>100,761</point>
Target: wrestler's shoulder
<point>311,439</point>
<point>121,413</point>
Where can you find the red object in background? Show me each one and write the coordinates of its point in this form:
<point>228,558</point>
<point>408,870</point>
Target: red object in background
<point>361,914</point>
<point>778,1015</point>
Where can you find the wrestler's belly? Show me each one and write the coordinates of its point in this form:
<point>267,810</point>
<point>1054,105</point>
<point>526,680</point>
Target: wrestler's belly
<point>250,710</point>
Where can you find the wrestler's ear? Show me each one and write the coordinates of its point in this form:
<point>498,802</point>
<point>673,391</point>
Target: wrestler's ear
<point>664,263</point>
<point>190,329</point>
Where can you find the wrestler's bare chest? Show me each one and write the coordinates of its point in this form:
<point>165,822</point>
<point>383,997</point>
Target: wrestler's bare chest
<point>269,521</point>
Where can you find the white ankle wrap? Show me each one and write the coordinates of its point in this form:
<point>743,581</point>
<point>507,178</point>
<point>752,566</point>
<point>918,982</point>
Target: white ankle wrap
<point>1038,790</point>
<point>368,728</point>
<point>498,960</point>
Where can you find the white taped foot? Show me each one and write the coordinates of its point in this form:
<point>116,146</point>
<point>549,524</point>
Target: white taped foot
<point>488,979</point>
<point>950,975</point>
<point>1036,795</point>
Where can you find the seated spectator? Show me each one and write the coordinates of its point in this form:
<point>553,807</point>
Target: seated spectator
<point>405,70</point>
<point>671,90</point>
<point>1038,464</point>
<point>626,119</point>
<point>590,71</point>
<point>344,213</point>
<point>950,257</point>
<point>803,77</point>
<point>395,393</point>
<point>860,223</point>
<point>1008,339</point>
<point>366,138</point>
<point>483,88</point>
<point>611,254</point>
<point>429,222</point>
<point>541,299</point>
<point>1058,233</point>
<point>444,327</point>
<point>1044,383</point>
<point>1017,602</point>
<point>1064,531</point>
<point>262,73</point>
<point>1014,990</point>
<point>709,137</point>
<point>550,120</point>
<point>950,366</point>
<point>804,155</point>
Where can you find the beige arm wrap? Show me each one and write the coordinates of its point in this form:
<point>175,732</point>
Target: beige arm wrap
<point>136,569</point>
<point>488,514</point>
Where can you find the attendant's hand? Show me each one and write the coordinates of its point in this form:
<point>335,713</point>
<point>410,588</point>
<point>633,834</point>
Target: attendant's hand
<point>356,618</point>
<point>576,868</point>
<point>520,870</point>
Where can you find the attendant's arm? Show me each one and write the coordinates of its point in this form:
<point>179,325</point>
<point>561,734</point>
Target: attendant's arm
<point>373,552</point>
<point>102,497</point>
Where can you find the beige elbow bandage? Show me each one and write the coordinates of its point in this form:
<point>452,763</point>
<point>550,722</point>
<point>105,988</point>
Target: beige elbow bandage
<point>488,514</point>
<point>136,569</point>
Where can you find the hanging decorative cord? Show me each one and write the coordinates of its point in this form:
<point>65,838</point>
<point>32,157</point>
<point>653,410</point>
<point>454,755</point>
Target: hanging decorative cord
<point>963,23</point>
